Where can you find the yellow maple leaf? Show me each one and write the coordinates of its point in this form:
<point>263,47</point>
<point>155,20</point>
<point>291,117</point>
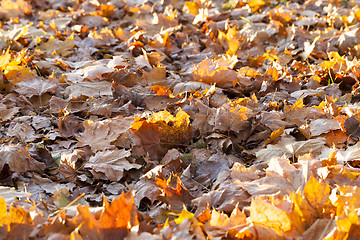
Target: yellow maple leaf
<point>18,214</point>
<point>185,214</point>
<point>350,218</point>
<point>230,40</point>
<point>274,73</point>
<point>264,213</point>
<point>311,204</point>
<point>17,73</point>
<point>15,70</point>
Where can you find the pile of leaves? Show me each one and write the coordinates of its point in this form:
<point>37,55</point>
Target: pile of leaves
<point>159,119</point>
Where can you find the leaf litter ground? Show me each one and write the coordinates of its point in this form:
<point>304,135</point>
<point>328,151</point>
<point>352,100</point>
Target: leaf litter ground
<point>178,119</point>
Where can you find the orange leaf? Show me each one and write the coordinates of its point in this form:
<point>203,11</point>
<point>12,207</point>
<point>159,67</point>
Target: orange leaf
<point>336,138</point>
<point>118,217</point>
<point>311,204</point>
<point>275,135</point>
<point>216,71</point>
<point>274,73</point>
<point>160,90</point>
<point>121,213</point>
<point>167,188</point>
<point>3,211</point>
<point>256,4</point>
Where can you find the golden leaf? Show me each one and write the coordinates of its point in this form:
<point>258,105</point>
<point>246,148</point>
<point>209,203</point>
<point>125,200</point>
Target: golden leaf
<point>275,135</point>
<point>273,73</point>
<point>18,214</point>
<point>162,131</point>
<point>185,214</point>
<point>311,204</point>
<point>4,59</point>
<point>264,213</point>
<point>216,71</point>
<point>256,4</point>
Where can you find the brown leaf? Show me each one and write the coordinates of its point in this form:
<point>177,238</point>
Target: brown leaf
<point>111,163</point>
<point>100,135</point>
<point>88,89</point>
<point>19,160</point>
<point>235,120</point>
<point>69,126</point>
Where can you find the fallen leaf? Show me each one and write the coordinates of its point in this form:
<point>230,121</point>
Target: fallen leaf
<point>100,135</point>
<point>216,71</point>
<point>19,160</point>
<point>162,131</point>
<point>36,87</point>
<point>264,213</point>
<point>111,163</point>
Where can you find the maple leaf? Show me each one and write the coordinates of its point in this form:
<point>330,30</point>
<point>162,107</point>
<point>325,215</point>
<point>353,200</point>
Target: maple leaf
<point>220,224</point>
<point>174,196</point>
<point>256,115</point>
<point>266,214</point>
<point>235,119</point>
<point>216,71</point>
<point>88,224</point>
<point>18,159</point>
<point>162,131</point>
<point>36,86</point>
<point>61,48</point>
<point>311,204</point>
<point>230,39</point>
<point>118,217</point>
<point>114,221</point>
<point>14,69</point>
<point>100,135</point>
<point>111,163</point>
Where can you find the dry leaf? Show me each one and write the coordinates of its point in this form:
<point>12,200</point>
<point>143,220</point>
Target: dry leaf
<point>111,163</point>
<point>216,71</point>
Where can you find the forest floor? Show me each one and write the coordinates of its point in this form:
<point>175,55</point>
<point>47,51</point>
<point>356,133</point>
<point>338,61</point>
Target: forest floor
<point>170,119</point>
